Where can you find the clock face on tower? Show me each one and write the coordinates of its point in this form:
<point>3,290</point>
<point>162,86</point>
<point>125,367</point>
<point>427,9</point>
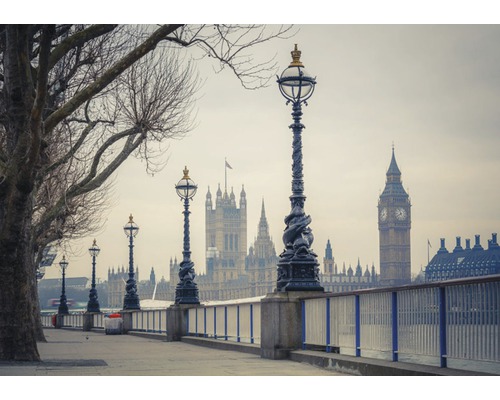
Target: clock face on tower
<point>383,214</point>
<point>400,214</point>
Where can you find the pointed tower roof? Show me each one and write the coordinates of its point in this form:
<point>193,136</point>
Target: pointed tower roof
<point>328,251</point>
<point>393,167</point>
<point>393,184</point>
<point>263,225</point>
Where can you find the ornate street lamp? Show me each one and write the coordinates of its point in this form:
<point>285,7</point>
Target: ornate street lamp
<point>186,291</point>
<point>93,304</point>
<point>297,266</point>
<point>131,300</point>
<point>63,305</point>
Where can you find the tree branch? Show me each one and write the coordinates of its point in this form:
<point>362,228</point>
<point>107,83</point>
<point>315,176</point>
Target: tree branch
<point>76,40</point>
<point>108,76</point>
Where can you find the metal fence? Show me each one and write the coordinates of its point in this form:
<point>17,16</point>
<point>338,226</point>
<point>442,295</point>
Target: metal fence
<point>235,322</point>
<point>154,321</point>
<point>453,324</point>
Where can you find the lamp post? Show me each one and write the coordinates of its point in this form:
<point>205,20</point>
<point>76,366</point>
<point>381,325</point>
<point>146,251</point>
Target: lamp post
<point>131,300</point>
<point>63,305</point>
<point>297,266</point>
<point>93,304</point>
<point>186,291</point>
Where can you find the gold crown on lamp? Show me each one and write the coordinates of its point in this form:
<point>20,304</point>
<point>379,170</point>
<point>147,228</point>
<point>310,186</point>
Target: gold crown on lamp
<point>186,173</point>
<point>296,57</point>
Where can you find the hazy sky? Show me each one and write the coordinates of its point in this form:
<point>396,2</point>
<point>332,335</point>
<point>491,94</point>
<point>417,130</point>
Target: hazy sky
<point>433,91</point>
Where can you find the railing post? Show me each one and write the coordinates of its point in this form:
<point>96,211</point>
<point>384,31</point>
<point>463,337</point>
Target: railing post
<point>251,323</point>
<point>196,322</point>
<point>88,321</point>
<point>238,339</point>
<point>177,321</point>
<point>225,323</point>
<point>303,323</point>
<point>442,326</point>
<point>394,326</point>
<point>215,322</point>
<point>204,322</point>
<point>357,325</point>
<point>328,338</point>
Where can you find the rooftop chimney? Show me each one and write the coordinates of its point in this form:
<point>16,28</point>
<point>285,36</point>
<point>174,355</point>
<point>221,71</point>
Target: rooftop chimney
<point>467,244</point>
<point>493,244</point>
<point>477,246</point>
<point>458,247</point>
<point>443,248</point>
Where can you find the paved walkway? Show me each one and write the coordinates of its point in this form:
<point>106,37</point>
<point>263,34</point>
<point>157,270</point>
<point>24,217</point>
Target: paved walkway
<point>78,353</point>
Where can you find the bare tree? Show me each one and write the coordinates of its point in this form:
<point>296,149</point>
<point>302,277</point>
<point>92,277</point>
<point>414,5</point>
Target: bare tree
<point>76,101</point>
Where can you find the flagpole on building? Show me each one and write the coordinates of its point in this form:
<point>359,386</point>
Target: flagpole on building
<point>226,166</point>
<point>428,245</point>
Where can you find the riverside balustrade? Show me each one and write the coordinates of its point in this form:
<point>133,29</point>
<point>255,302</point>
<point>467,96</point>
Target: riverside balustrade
<point>154,321</point>
<point>234,322</point>
<point>453,324</point>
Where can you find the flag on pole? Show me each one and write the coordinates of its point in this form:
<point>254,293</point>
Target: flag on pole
<point>228,166</point>
<point>428,243</point>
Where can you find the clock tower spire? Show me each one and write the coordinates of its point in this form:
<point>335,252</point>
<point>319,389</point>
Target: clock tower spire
<point>394,224</point>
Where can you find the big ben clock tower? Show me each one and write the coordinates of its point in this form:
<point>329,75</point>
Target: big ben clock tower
<point>394,223</point>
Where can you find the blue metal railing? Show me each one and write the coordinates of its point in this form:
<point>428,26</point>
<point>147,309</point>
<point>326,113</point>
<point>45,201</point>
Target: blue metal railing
<point>453,324</point>
<point>153,321</point>
<point>234,322</point>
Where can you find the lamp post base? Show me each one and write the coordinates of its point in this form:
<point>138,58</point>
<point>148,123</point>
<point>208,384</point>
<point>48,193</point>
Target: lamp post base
<point>93,307</point>
<point>186,294</point>
<point>131,303</point>
<point>298,275</point>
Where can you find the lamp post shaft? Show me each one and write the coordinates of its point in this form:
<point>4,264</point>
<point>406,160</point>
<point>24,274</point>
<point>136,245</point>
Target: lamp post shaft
<point>297,197</point>
<point>131,300</point>
<point>63,304</point>
<point>93,303</point>
<point>186,254</point>
<point>131,258</point>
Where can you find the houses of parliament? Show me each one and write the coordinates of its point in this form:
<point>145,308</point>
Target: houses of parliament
<point>232,272</point>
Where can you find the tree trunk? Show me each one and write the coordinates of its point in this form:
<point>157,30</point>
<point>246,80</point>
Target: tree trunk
<point>17,274</point>
<point>40,336</point>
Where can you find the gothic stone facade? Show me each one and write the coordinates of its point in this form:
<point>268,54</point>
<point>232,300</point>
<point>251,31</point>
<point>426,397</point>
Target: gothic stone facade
<point>394,223</point>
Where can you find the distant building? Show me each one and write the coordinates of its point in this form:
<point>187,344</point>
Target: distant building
<point>335,280</point>
<point>464,262</point>
<point>116,285</point>
<point>75,283</point>
<point>394,224</point>
<point>262,260</point>
<point>230,272</point>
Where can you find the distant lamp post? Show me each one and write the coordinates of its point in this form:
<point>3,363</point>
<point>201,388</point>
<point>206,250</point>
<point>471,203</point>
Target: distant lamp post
<point>131,300</point>
<point>63,304</point>
<point>93,304</point>
<point>297,266</point>
<point>186,291</point>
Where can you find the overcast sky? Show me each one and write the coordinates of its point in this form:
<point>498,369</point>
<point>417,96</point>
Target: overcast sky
<point>433,91</point>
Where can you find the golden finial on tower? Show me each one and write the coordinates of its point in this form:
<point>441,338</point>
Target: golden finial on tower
<point>296,58</point>
<point>186,173</point>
